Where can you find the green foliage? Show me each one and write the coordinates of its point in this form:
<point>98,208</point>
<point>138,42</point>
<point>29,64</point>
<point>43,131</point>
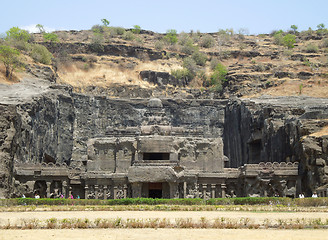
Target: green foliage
<point>218,77</point>
<point>311,48</point>
<point>41,54</point>
<point>136,29</point>
<point>50,37</point>
<point>321,26</point>
<point>129,36</point>
<point>97,28</point>
<point>199,58</point>
<point>171,36</point>
<point>278,38</point>
<point>10,58</point>
<point>17,34</point>
<point>289,40</point>
<point>305,202</point>
<point>190,64</point>
<point>119,30</point>
<point>40,27</point>
<point>186,44</point>
<point>207,41</point>
<point>300,89</point>
<point>114,31</point>
<point>224,37</point>
<point>294,28</point>
<point>105,22</point>
<point>182,74</point>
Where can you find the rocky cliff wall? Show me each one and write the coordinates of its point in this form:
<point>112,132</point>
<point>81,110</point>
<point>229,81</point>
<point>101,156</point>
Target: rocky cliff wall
<point>53,125</point>
<point>279,130</point>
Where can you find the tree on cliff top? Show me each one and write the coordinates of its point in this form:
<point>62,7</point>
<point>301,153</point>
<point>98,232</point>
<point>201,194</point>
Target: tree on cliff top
<point>10,58</point>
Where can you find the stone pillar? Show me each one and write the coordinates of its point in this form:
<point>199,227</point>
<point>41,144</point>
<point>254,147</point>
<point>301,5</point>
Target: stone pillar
<point>96,191</point>
<point>86,191</point>
<point>136,190</point>
<point>197,192</point>
<point>69,191</point>
<point>125,190</point>
<point>105,191</point>
<point>184,189</point>
<point>64,188</point>
<point>48,189</point>
<point>115,192</point>
<point>223,190</point>
<point>204,186</point>
<point>174,190</point>
<point>213,187</point>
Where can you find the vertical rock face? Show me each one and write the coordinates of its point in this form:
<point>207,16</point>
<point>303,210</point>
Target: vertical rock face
<point>279,130</point>
<point>197,147</point>
<point>44,129</point>
<point>7,148</point>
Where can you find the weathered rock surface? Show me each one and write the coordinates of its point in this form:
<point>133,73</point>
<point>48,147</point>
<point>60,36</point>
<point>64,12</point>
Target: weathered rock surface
<point>277,130</point>
<point>49,124</point>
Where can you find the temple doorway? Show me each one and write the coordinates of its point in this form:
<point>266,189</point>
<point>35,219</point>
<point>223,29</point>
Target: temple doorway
<point>155,190</point>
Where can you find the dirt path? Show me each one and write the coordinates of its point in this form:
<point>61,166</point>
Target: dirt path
<point>159,234</point>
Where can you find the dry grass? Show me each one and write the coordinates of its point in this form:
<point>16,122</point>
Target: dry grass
<point>203,222</point>
<point>291,87</point>
<point>322,132</point>
<point>4,80</point>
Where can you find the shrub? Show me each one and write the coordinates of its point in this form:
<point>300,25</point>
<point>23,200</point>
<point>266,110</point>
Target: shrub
<point>50,37</point>
<point>218,77</point>
<point>17,34</point>
<point>10,58</point>
<point>136,29</point>
<point>119,30</point>
<point>188,48</point>
<point>159,45</point>
<point>207,41</point>
<point>214,62</point>
<point>294,28</point>
<point>114,31</point>
<point>324,43</point>
<point>311,48</point>
<point>223,37</point>
<point>128,36</point>
<point>182,74</point>
<point>278,39</point>
<point>171,36</point>
<point>41,54</point>
<point>289,40</point>
<point>199,58</point>
<point>97,28</point>
<point>190,64</point>
<point>97,43</point>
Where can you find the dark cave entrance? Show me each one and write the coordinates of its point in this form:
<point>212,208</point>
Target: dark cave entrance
<point>155,190</point>
<point>255,151</point>
<point>156,156</point>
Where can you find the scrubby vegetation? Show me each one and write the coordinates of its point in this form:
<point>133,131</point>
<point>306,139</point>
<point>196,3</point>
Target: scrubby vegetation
<point>189,56</point>
<point>269,201</point>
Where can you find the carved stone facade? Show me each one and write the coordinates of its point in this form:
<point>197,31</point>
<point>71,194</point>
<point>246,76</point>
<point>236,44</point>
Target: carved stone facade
<point>160,156</point>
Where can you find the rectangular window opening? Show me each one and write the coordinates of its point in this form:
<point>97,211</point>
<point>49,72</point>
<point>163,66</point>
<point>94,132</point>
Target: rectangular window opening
<point>156,156</point>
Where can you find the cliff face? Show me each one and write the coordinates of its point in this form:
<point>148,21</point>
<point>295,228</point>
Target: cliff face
<point>54,126</point>
<point>279,130</point>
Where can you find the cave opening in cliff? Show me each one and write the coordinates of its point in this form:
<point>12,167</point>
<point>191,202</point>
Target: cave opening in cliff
<point>156,156</point>
<point>155,190</point>
<point>255,151</point>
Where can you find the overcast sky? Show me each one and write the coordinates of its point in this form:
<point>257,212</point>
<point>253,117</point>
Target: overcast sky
<point>258,16</point>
